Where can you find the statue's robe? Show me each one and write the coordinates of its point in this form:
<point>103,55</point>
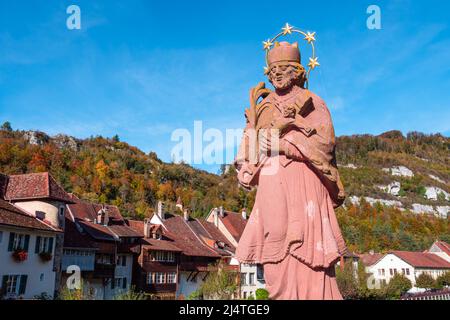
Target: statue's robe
<point>293,230</point>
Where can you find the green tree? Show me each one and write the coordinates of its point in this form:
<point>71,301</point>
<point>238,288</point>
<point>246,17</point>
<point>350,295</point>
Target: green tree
<point>220,284</point>
<point>262,294</point>
<point>397,286</point>
<point>347,283</point>
<point>443,280</point>
<point>6,126</point>
<point>425,281</point>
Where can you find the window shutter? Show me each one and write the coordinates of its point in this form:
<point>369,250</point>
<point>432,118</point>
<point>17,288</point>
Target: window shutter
<point>124,280</point>
<point>38,244</point>
<point>12,235</point>
<point>50,245</point>
<point>27,242</point>
<point>113,283</point>
<point>23,283</point>
<point>4,285</point>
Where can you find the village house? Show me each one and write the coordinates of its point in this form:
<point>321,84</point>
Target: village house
<point>231,225</point>
<point>411,264</point>
<point>31,235</point>
<point>100,243</point>
<point>178,253</point>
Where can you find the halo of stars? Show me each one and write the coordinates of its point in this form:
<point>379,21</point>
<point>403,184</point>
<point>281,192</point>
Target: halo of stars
<point>309,37</point>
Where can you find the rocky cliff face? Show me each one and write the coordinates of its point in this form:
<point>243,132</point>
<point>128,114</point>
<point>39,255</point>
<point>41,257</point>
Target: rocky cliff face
<point>410,173</point>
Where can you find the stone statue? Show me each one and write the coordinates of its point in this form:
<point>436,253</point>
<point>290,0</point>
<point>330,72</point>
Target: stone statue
<point>293,230</point>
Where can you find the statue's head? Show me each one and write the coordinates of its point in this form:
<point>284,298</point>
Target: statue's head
<point>285,69</point>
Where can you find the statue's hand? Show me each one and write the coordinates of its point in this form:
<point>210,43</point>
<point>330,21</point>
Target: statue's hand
<point>245,175</point>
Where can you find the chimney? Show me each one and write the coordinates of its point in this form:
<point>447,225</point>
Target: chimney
<point>99,216</point>
<point>216,217</point>
<point>186,214</point>
<point>147,226</point>
<point>221,212</point>
<point>161,210</point>
<point>244,214</point>
<point>105,217</point>
<point>179,204</point>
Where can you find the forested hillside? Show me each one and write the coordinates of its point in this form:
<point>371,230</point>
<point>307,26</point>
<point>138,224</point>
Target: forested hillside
<point>107,170</point>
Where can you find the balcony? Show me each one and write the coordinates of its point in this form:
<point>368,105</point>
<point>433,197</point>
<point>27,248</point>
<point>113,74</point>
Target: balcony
<point>195,266</point>
<point>103,270</point>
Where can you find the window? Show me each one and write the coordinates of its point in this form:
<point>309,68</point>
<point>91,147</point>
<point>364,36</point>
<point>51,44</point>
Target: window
<point>251,278</point>
<point>403,271</point>
<point>150,277</point>
<point>14,284</point>
<point>244,294</point>
<point>407,271</point>
<point>171,277</point>
<point>44,244</point>
<point>243,279</point>
<point>18,241</point>
<point>382,272</point>
<point>260,272</point>
<point>163,256</point>
<point>104,259</point>
<point>160,277</point>
<point>61,211</point>
<point>391,272</point>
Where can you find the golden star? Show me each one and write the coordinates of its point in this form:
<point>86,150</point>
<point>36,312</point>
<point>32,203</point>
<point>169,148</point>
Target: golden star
<point>267,44</point>
<point>310,37</point>
<point>313,63</point>
<point>287,29</point>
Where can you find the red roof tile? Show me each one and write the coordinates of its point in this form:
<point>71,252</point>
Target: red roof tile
<point>369,259</point>
<point>159,244</point>
<point>216,234</point>
<point>87,211</point>
<point>185,238</point>
<point>444,246</point>
<point>234,223</point>
<point>74,239</point>
<point>34,186</point>
<point>422,260</point>
<point>13,216</point>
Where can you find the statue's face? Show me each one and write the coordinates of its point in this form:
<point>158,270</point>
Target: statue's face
<point>282,75</point>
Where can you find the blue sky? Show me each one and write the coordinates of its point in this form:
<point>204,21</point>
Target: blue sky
<point>141,69</point>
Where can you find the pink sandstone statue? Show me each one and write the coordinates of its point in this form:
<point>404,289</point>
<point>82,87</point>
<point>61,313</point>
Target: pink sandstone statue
<point>293,230</point>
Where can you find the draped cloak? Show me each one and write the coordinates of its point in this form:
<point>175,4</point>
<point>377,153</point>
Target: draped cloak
<point>293,229</point>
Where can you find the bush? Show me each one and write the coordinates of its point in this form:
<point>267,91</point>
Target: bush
<point>397,286</point>
<point>425,281</point>
<point>443,280</point>
<point>262,294</point>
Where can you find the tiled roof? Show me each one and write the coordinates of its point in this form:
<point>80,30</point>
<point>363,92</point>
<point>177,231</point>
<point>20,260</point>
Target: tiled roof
<point>216,234</point>
<point>124,231</point>
<point>370,259</point>
<point>185,238</point>
<point>74,239</point>
<point>87,211</point>
<point>444,246</point>
<point>34,186</point>
<point>422,259</point>
<point>159,244</point>
<point>13,216</point>
<point>234,223</point>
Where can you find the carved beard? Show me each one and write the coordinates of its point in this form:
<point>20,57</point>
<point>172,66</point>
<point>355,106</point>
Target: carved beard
<point>284,81</point>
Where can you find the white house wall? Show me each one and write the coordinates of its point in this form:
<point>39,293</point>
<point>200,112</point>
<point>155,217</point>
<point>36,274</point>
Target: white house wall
<point>41,277</point>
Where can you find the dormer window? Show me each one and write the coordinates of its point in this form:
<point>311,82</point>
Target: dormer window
<point>61,211</point>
